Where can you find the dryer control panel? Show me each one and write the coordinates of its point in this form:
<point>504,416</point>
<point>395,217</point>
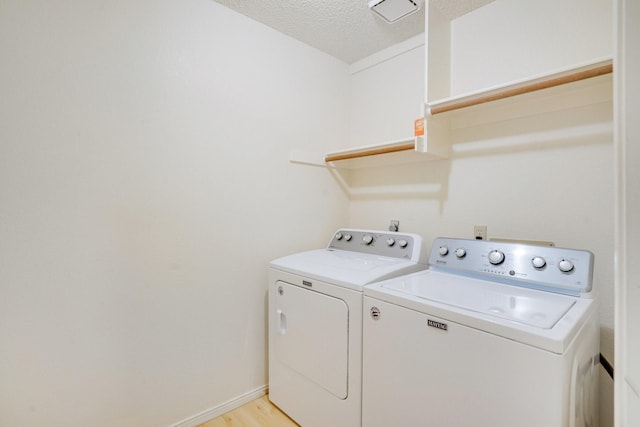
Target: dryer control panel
<point>383,243</point>
<point>562,270</point>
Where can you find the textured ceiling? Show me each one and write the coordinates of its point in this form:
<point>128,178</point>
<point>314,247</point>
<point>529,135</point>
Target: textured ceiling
<point>346,29</point>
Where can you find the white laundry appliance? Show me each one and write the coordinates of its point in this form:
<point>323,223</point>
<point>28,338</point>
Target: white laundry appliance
<point>493,334</point>
<point>315,322</point>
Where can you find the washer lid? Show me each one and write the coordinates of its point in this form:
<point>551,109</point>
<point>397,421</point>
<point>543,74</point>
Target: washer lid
<point>346,268</point>
<point>529,307</point>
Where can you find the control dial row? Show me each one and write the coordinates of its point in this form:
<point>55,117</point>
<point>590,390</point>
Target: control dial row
<point>367,239</point>
<point>497,257</point>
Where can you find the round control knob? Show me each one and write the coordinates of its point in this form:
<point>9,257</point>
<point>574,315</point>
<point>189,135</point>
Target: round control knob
<point>461,252</point>
<point>443,250</point>
<point>496,257</point>
<point>402,243</point>
<point>565,265</point>
<point>347,237</point>
<point>391,241</point>
<point>538,262</point>
<point>338,236</point>
<point>367,239</point>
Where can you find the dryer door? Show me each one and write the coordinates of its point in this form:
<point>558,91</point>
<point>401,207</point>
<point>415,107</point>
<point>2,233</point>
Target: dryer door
<point>311,335</point>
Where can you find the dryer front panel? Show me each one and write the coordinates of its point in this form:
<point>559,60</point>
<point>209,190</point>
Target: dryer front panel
<point>310,335</point>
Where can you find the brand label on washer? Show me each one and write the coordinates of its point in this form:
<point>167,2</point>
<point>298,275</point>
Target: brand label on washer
<point>437,325</point>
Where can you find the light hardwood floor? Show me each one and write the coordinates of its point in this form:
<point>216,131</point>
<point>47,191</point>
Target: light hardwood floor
<point>257,413</point>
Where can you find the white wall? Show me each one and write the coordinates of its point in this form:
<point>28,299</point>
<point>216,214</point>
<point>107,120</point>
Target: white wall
<point>547,177</point>
<point>144,185</point>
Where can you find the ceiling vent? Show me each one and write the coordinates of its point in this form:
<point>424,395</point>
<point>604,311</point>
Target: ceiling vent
<point>393,10</point>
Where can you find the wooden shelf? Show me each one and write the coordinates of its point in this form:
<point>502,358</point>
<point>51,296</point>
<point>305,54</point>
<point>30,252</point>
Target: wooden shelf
<point>371,150</point>
<point>597,68</point>
<point>402,151</point>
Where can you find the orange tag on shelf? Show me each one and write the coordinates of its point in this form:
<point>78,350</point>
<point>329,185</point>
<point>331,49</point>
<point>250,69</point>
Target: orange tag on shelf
<point>418,127</point>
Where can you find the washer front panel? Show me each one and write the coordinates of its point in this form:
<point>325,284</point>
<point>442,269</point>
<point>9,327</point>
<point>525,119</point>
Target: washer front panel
<point>424,370</point>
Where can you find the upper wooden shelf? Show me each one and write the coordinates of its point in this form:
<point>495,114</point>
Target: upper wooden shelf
<point>558,78</point>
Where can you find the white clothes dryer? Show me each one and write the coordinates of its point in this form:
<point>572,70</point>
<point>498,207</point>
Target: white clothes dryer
<point>315,322</point>
<point>493,334</point>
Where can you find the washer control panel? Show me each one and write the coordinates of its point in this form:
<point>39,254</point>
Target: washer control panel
<point>382,243</point>
<point>567,271</point>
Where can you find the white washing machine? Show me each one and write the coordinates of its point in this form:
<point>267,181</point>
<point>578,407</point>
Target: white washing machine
<point>491,335</point>
<point>315,322</point>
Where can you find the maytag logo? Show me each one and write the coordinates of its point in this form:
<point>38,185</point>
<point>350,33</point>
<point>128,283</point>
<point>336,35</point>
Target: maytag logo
<point>437,325</point>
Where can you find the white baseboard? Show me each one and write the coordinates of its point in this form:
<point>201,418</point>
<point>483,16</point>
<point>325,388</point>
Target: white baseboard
<point>227,406</point>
